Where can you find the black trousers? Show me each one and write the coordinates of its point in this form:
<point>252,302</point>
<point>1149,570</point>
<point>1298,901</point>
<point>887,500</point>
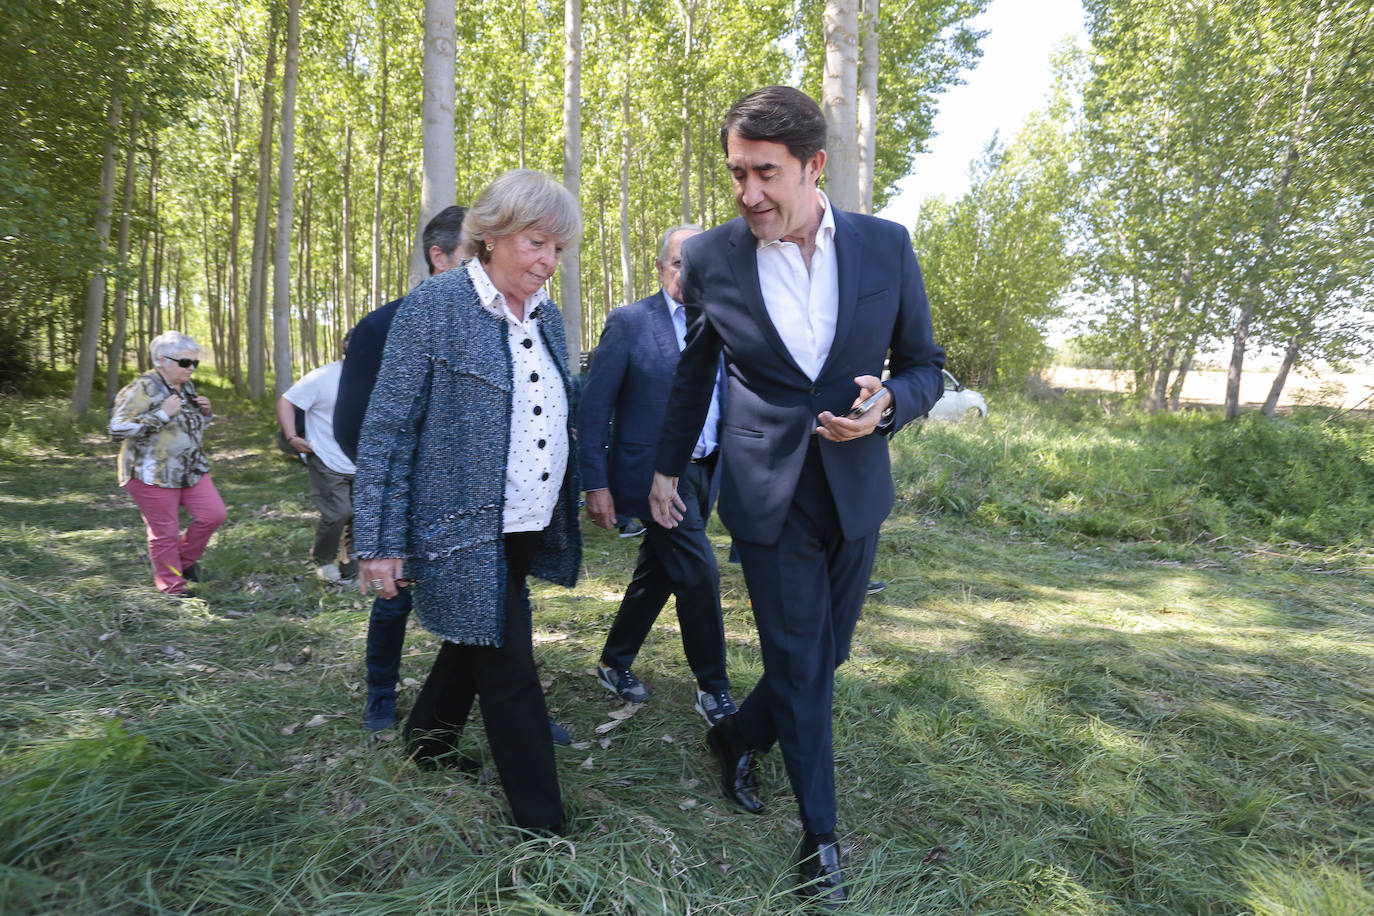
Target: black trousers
<point>677,561</point>
<point>807,591</point>
<point>507,687</point>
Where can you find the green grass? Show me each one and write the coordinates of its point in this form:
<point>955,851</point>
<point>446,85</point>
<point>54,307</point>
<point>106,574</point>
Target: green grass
<point>1090,688</point>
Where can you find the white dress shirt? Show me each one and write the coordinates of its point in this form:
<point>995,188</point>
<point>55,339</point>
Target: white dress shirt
<point>803,305</point>
<point>706,442</point>
<point>315,394</point>
<point>538,453</point>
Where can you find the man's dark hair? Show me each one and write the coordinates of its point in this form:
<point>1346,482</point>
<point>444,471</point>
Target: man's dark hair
<point>445,230</point>
<point>777,114</point>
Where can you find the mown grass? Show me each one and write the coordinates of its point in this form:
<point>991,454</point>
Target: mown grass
<point>1091,688</point>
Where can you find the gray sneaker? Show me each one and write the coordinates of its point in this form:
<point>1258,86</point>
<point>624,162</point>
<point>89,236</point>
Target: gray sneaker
<point>715,706</point>
<point>622,683</point>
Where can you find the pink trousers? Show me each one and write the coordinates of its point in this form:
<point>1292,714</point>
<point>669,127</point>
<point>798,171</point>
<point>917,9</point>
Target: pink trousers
<point>170,550</point>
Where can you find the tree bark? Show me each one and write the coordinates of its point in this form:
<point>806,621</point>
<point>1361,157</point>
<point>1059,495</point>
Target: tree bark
<point>868,103</point>
<point>257,274</point>
<point>95,289</point>
<point>839,90</point>
<point>378,187</point>
<point>570,274</point>
<point>440,176</point>
<point>120,316</point>
<point>281,243</point>
<point>1290,358</point>
<point>346,282</point>
<point>627,280</point>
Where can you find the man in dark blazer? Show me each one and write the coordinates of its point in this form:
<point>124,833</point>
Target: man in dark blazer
<point>629,381</point>
<point>386,625</point>
<point>807,303</point>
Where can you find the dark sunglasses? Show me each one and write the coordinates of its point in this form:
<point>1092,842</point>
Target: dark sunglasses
<point>183,363</point>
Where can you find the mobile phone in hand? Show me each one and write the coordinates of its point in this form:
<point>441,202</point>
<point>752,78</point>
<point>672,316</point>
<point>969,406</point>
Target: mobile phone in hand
<point>867,405</point>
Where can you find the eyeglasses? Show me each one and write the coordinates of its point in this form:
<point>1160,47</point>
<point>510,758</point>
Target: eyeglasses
<point>183,363</point>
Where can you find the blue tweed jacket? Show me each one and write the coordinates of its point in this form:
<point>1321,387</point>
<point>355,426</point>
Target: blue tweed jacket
<point>431,476</point>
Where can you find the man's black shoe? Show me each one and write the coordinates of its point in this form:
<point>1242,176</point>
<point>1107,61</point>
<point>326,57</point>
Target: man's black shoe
<point>821,882</point>
<point>738,780</point>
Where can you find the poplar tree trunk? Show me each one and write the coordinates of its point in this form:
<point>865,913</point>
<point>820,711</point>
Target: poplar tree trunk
<point>233,346</point>
<point>440,176</point>
<point>346,282</point>
<point>95,289</point>
<point>376,299</point>
<point>570,275</point>
<point>281,243</point>
<point>627,281</point>
<point>120,315</point>
<point>839,92</point>
<point>257,275</point>
<point>868,102</point>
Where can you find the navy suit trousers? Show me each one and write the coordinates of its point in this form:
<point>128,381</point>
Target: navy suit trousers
<point>807,590</point>
<point>676,561</point>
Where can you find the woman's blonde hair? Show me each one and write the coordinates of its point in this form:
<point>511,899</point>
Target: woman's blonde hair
<point>518,200</point>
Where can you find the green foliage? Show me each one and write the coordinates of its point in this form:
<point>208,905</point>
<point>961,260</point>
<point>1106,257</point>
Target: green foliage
<point>1301,478</point>
<point>997,261</point>
<point>1070,466</point>
<point>1026,725</point>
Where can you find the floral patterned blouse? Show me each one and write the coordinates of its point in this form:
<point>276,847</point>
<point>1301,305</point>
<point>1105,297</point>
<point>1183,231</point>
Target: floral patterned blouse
<point>158,450</point>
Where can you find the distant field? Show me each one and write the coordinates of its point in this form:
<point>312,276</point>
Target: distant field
<point>1208,386</point>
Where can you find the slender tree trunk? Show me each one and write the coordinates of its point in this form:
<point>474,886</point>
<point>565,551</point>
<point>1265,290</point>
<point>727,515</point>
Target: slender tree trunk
<point>257,276</point>
<point>689,9</point>
<point>839,92</point>
<point>233,348</point>
<point>376,300</point>
<point>159,242</point>
<point>868,102</point>
<point>1290,358</point>
<point>346,283</point>
<point>281,244</point>
<point>440,176</point>
<point>115,357</point>
<point>142,311</point>
<point>570,276</point>
<point>627,280</point>
<point>95,290</point>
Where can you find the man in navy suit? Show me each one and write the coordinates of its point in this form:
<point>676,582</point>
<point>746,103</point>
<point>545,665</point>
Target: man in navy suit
<point>386,625</point>
<point>630,378</point>
<point>807,303</point>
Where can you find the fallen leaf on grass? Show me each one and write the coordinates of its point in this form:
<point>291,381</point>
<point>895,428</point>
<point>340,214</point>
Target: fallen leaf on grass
<point>687,803</point>
<point>581,745</point>
<point>290,729</point>
<point>607,726</point>
<point>316,720</point>
<point>625,712</point>
<point>937,854</point>
<point>667,739</point>
<point>605,744</point>
<point>589,763</point>
<point>283,666</point>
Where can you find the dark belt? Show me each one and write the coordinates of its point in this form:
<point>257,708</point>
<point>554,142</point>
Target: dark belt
<point>707,459</point>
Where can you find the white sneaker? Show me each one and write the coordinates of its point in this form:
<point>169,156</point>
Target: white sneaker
<point>329,572</point>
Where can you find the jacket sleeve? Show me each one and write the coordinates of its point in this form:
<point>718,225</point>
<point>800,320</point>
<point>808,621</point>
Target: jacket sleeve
<point>915,361</point>
<point>391,434</point>
<point>136,412</point>
<point>598,401</point>
<point>360,367</point>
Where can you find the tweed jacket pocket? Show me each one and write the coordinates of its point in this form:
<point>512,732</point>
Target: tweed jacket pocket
<point>454,531</point>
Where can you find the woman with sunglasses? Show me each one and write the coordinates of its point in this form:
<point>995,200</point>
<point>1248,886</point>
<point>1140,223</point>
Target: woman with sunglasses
<point>162,463</point>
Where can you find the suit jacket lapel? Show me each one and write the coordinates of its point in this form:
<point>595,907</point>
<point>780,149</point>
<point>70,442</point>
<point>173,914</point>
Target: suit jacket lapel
<point>662,323</point>
<point>744,262</point>
<point>847,248</point>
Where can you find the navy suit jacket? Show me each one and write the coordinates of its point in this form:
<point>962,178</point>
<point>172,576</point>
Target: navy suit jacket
<point>771,405</point>
<point>362,362</point>
<point>630,378</point>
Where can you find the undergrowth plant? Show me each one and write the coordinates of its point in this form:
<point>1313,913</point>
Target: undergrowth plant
<point>1094,685</point>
